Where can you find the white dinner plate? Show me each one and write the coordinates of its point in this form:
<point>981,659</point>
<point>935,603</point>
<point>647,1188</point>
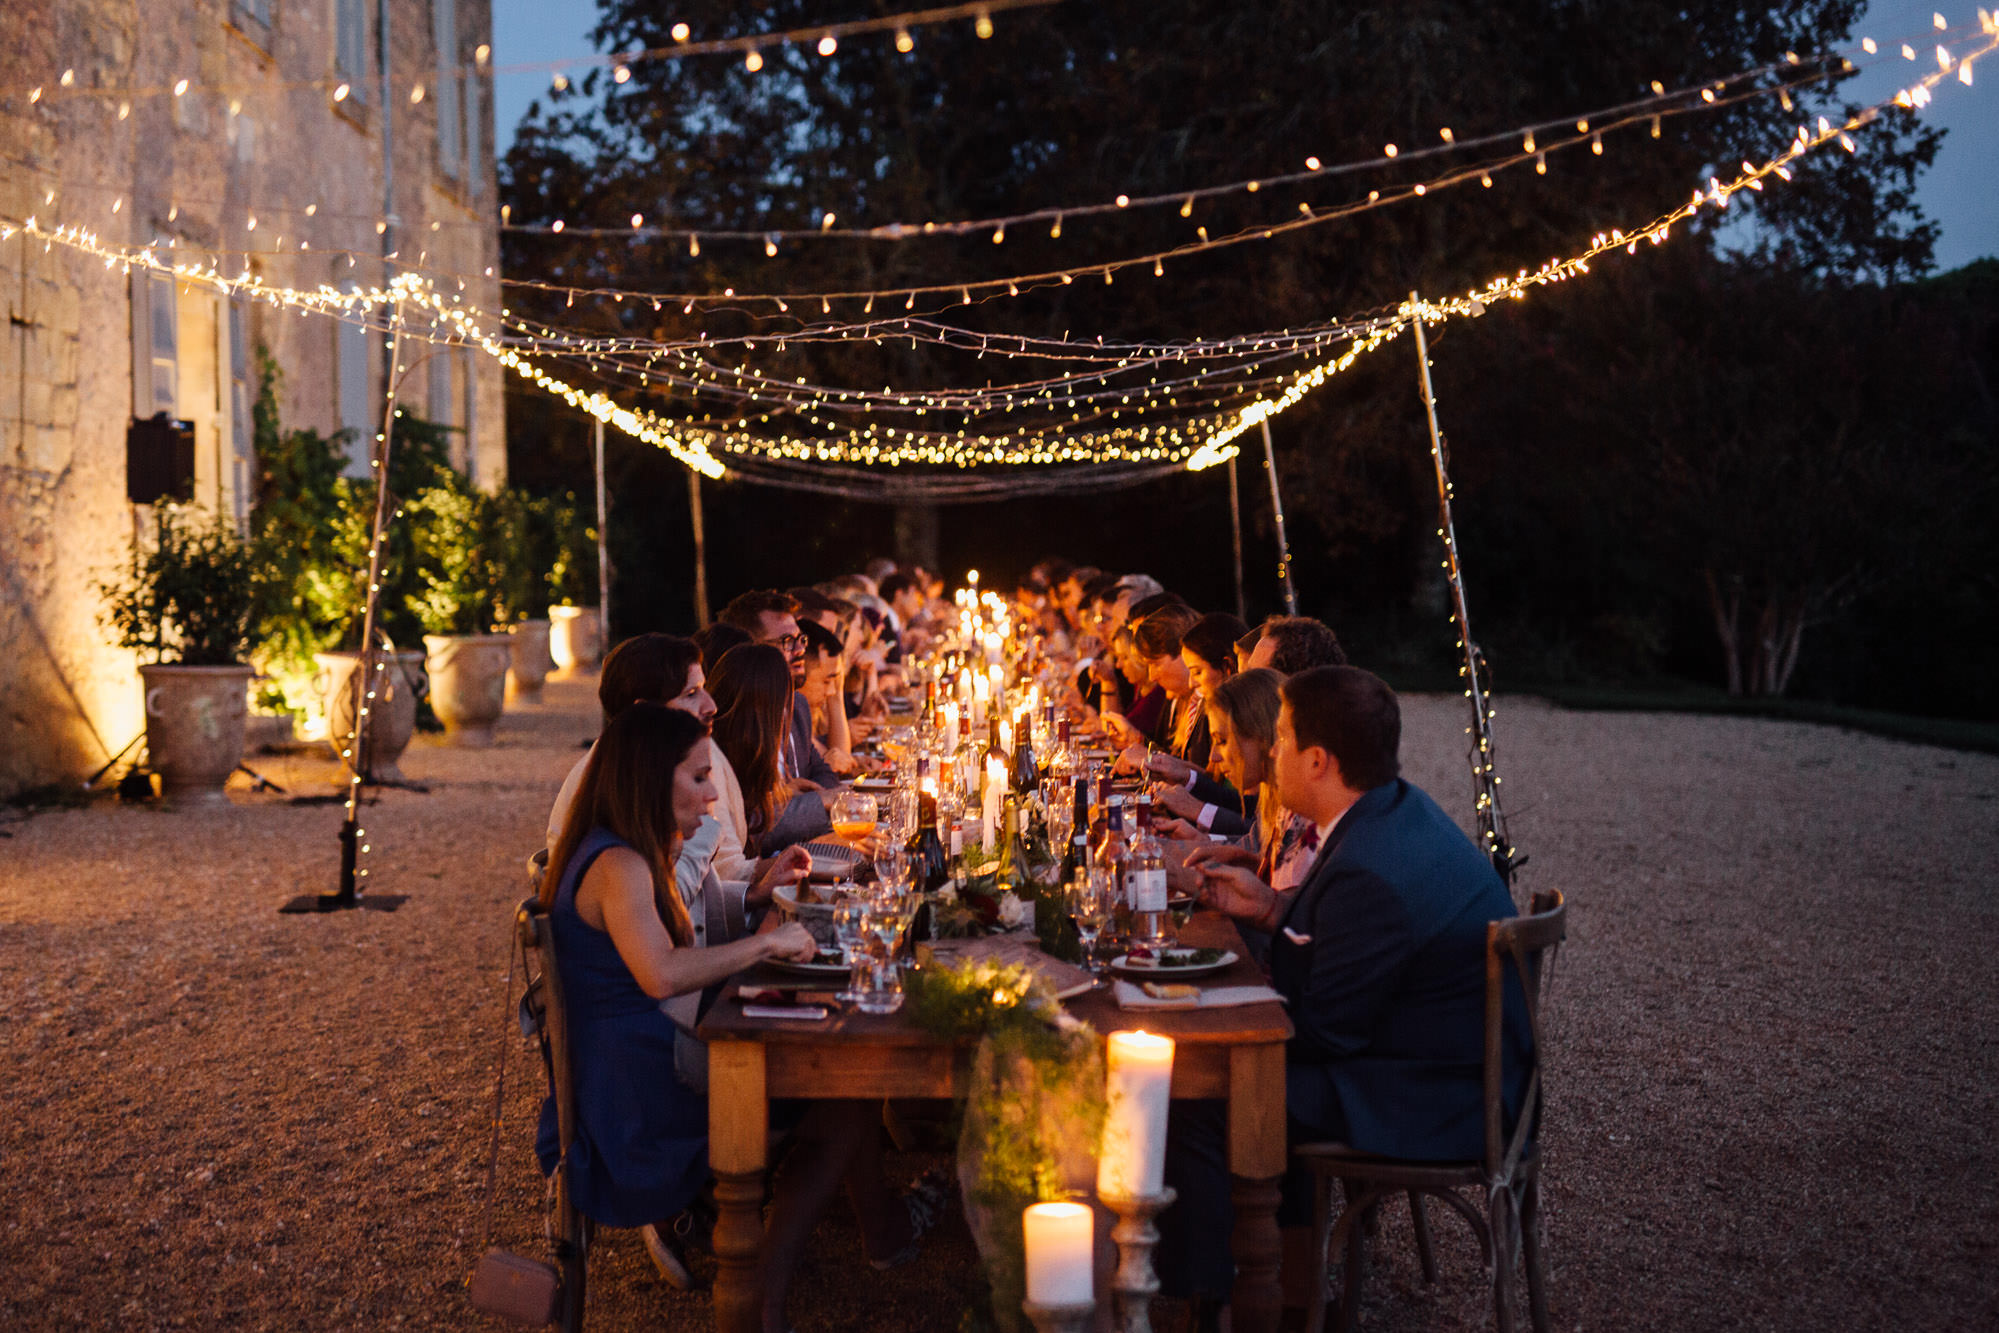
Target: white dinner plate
<point>833,857</point>
<point>1123,965</point>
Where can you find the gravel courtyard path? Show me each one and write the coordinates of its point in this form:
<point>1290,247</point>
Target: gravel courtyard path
<point>1775,1079</point>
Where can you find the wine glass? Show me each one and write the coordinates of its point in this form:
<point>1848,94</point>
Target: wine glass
<point>1089,907</point>
<point>892,867</point>
<point>1061,823</point>
<point>850,933</point>
<point>853,814</point>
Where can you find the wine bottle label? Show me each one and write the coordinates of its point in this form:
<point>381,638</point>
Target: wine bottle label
<point>1148,890</point>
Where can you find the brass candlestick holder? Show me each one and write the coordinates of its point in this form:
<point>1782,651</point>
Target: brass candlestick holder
<point>1059,1318</point>
<point>1136,1283</point>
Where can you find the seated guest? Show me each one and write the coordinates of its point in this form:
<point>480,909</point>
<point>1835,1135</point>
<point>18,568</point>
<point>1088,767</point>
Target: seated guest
<point>1070,593</point>
<point>760,804</point>
<point>1292,644</point>
<point>647,668</point>
<point>1143,718</point>
<point>1207,650</point>
<point>659,668</point>
<point>825,672</point>
<point>1279,844</point>
<point>904,595</point>
<point>1379,954</point>
<point>771,618</point>
<point>1183,731</point>
<point>626,944</point>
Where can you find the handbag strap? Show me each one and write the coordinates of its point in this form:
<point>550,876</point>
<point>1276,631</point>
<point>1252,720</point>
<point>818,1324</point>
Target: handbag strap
<point>516,949</point>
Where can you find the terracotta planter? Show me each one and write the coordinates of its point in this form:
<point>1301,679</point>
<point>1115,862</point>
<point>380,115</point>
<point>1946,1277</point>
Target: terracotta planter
<point>194,727</point>
<point>531,662</point>
<point>468,684</point>
<point>391,714</point>
<point>576,637</point>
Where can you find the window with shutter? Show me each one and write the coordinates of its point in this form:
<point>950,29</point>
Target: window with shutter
<point>350,46</point>
<point>450,89</point>
<point>242,442</point>
<point>253,18</point>
<point>155,364</point>
<point>353,377</point>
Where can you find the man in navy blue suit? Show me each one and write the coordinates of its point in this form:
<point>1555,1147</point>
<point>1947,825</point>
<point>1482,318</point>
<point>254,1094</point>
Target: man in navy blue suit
<point>1379,954</point>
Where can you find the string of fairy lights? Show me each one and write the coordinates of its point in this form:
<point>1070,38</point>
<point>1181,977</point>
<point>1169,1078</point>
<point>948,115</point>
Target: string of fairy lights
<point>823,38</point>
<point>1796,71</point>
<point>1193,441</point>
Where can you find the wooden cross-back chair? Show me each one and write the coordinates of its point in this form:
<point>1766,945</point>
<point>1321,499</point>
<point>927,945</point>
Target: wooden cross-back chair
<point>569,1231</point>
<point>1507,1220</point>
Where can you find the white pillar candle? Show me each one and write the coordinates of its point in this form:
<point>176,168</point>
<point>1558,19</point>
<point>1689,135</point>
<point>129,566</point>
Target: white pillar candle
<point>995,789</point>
<point>950,728</point>
<point>1140,1085</point>
<point>1006,736</point>
<point>1060,1248</point>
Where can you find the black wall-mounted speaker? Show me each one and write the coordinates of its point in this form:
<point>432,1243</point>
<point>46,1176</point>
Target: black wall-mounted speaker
<point>159,460</point>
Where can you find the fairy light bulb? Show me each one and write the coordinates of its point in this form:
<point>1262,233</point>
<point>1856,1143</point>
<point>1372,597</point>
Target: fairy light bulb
<point>621,74</point>
<point>903,41</point>
<point>828,44</point>
<point>681,32</point>
<point>753,61</point>
<point>983,25</point>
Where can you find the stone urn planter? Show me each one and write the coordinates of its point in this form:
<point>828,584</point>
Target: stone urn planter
<point>194,727</point>
<point>468,684</point>
<point>576,638</point>
<point>531,661</point>
<point>392,713</point>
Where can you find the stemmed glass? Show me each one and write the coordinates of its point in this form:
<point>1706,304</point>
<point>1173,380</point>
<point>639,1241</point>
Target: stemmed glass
<point>1090,908</point>
<point>891,867</point>
<point>880,988</point>
<point>1061,823</point>
<point>853,814</point>
<point>850,934</point>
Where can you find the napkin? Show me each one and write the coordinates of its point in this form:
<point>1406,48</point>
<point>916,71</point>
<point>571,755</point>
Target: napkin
<point>1217,997</point>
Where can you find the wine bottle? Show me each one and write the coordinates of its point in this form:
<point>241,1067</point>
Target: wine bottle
<point>929,865</point>
<point>1145,881</point>
<point>1111,855</point>
<point>1025,775</point>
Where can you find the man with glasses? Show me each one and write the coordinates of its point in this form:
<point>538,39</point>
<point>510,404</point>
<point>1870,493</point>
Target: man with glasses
<point>772,617</point>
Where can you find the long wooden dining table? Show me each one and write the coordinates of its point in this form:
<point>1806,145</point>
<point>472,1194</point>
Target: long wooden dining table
<point>1235,1053</point>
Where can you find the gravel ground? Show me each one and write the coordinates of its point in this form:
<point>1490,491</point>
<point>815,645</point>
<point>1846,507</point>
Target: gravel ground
<point>1773,1068</point>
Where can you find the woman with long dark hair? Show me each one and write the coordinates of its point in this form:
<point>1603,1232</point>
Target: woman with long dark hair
<point>625,943</point>
<point>752,689</point>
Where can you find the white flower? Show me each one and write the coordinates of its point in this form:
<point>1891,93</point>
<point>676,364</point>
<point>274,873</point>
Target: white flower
<point>1014,912</point>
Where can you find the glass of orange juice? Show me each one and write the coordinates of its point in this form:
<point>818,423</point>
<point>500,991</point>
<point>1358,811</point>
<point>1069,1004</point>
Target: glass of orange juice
<point>854,814</point>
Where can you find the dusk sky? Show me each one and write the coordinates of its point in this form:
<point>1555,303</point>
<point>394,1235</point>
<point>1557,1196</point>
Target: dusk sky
<point>1961,191</point>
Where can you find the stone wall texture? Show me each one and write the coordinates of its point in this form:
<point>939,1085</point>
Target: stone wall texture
<point>255,165</point>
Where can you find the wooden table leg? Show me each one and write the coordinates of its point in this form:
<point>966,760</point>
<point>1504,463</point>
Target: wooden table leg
<point>1256,1161</point>
<point>738,1134</point>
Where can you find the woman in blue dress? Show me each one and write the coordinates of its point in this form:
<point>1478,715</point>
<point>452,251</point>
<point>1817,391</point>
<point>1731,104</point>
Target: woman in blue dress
<point>625,943</point>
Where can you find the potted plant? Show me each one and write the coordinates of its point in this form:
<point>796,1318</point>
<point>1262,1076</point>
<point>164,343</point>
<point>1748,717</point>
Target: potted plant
<point>576,636</point>
<point>187,602</point>
<point>454,533</point>
<point>310,530</point>
<point>528,542</point>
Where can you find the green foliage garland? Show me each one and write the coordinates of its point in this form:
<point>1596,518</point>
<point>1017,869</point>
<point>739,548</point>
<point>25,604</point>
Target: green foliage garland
<point>1034,1111</point>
